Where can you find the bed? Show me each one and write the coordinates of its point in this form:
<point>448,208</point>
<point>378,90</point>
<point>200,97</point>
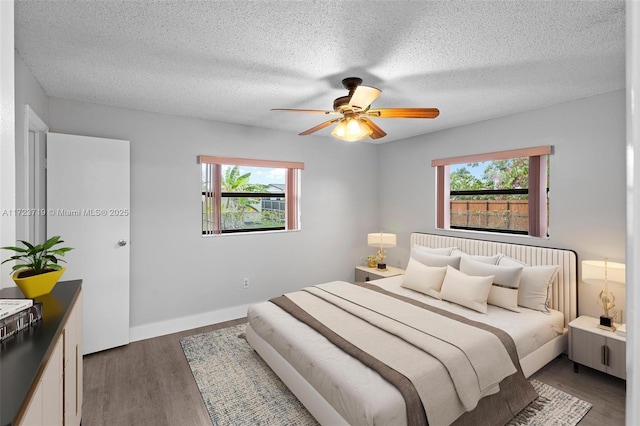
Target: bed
<point>337,388</point>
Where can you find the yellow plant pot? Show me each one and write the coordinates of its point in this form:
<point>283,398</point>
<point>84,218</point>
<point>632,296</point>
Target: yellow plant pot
<point>37,285</point>
<point>372,264</point>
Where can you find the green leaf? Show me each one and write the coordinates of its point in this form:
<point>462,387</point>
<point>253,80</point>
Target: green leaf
<point>35,249</point>
<point>61,251</point>
<point>18,249</point>
<point>29,245</point>
<point>51,242</point>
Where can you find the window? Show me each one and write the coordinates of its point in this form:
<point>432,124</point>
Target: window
<point>505,192</point>
<point>245,195</point>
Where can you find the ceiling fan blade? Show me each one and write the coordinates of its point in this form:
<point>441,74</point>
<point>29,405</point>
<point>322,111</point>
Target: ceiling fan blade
<point>377,131</point>
<point>363,96</point>
<point>308,111</point>
<point>404,112</point>
<point>319,127</point>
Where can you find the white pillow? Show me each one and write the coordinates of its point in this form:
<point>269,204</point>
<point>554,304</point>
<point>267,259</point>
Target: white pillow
<point>535,284</point>
<point>435,259</point>
<point>509,261</point>
<point>465,290</point>
<point>443,251</point>
<point>424,279</point>
<point>504,291</point>
<point>492,260</point>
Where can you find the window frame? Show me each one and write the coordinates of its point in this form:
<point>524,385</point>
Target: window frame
<point>212,191</point>
<point>537,191</point>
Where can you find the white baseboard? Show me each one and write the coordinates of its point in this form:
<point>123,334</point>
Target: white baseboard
<point>176,325</point>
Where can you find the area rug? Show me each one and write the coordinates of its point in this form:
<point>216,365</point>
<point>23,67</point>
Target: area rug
<point>239,388</point>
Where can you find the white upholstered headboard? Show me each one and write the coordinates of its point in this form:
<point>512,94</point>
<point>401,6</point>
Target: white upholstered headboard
<point>564,291</point>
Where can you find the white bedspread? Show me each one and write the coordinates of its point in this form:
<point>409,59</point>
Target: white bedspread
<point>364,397</point>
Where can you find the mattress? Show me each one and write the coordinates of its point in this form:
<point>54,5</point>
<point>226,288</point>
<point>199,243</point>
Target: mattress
<point>359,394</point>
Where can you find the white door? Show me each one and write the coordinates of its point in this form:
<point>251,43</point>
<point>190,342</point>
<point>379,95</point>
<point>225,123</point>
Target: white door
<point>88,205</point>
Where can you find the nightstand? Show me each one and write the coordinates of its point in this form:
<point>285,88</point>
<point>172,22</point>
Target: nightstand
<point>596,348</point>
<point>364,273</point>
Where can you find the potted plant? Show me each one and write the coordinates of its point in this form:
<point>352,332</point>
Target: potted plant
<point>37,271</point>
<point>372,260</point>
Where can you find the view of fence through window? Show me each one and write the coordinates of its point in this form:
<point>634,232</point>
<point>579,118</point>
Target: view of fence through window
<point>491,195</point>
<point>251,198</point>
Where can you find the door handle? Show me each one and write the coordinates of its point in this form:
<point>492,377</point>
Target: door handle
<point>122,243</point>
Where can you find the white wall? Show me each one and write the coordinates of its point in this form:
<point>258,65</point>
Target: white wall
<point>7,136</point>
<point>587,178</point>
<point>176,272</point>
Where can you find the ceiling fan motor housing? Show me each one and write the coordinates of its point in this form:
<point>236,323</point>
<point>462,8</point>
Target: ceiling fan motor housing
<point>350,83</point>
<point>340,103</point>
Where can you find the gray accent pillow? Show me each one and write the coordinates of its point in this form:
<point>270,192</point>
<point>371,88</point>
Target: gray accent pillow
<point>492,260</point>
<point>506,281</point>
<point>430,259</point>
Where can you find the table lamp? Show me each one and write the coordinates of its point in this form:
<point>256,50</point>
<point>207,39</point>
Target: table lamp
<point>596,271</point>
<point>382,241</point>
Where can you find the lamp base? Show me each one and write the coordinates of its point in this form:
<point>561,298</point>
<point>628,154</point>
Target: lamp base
<point>606,323</point>
<point>382,266</point>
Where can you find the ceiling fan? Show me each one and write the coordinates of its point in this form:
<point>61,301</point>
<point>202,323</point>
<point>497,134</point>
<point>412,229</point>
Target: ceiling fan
<point>355,110</point>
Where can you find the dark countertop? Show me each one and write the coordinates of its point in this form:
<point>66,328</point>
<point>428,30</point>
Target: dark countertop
<point>24,354</point>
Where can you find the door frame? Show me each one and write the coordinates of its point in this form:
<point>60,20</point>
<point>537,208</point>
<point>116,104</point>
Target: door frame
<point>33,173</point>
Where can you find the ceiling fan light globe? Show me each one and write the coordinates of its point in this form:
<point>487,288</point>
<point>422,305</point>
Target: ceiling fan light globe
<point>351,130</point>
<point>363,131</point>
<point>340,131</point>
<point>353,127</point>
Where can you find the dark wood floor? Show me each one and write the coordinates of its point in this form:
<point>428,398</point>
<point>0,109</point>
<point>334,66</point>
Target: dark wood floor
<point>149,383</point>
<point>606,393</point>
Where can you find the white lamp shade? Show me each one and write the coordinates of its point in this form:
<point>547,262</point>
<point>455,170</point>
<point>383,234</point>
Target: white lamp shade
<point>380,239</point>
<point>593,272</point>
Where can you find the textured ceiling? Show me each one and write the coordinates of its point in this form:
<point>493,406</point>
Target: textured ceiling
<point>233,61</point>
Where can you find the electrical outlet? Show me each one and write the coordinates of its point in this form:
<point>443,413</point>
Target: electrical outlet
<point>245,283</point>
<point>617,315</point>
